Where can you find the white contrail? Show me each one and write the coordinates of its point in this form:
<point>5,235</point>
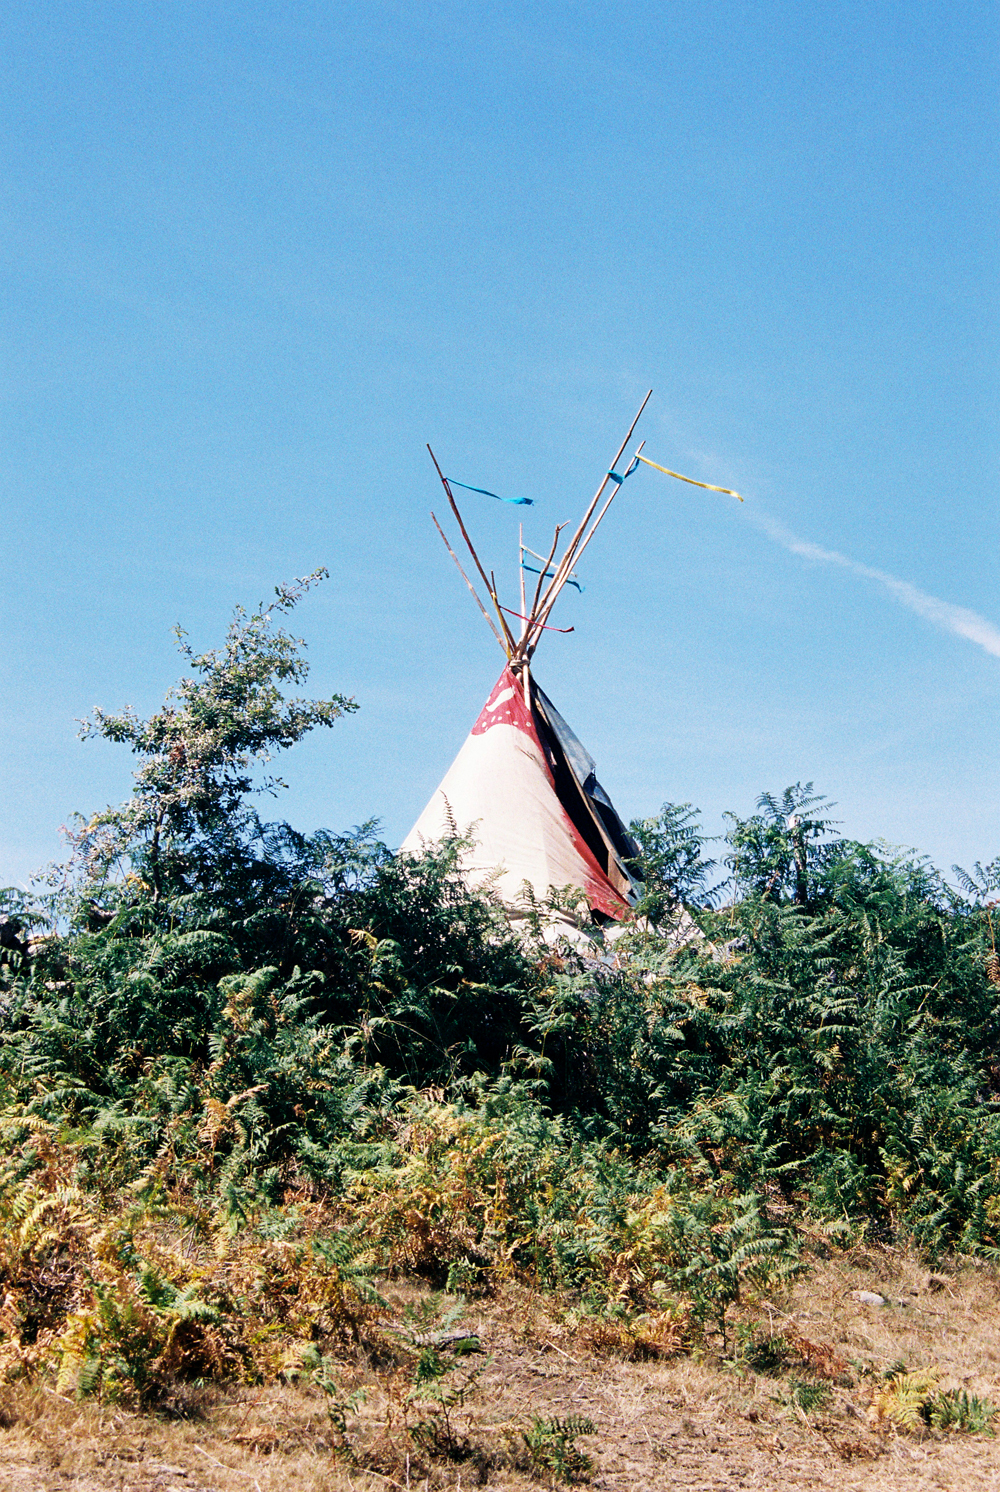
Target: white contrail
<point>957,619</point>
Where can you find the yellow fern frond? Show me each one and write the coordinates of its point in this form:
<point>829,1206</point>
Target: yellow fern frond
<point>903,1399</point>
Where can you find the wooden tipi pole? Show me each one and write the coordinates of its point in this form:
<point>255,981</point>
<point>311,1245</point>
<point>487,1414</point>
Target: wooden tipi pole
<point>508,635</point>
<point>486,616</point>
<point>597,520</point>
<point>565,565</point>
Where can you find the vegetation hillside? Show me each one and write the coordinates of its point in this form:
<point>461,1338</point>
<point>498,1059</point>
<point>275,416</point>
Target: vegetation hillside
<point>255,1081</point>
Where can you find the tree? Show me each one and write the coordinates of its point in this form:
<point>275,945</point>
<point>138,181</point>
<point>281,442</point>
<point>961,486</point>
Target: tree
<point>779,851</point>
<point>670,863</point>
<point>199,756</point>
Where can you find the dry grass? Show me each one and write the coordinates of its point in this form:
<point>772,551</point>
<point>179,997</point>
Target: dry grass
<point>672,1422</point>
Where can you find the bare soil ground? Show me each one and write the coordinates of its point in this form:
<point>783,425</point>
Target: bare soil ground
<point>678,1423</point>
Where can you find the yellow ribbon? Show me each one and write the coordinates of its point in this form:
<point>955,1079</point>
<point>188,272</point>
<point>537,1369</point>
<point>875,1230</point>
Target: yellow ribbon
<point>667,472</point>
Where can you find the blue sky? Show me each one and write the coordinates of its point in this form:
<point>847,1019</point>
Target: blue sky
<point>258,255</point>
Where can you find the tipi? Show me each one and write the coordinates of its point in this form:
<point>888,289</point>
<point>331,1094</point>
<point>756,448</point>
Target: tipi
<point>522,783</point>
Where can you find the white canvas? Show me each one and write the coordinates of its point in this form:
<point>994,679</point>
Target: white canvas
<point>501,786</point>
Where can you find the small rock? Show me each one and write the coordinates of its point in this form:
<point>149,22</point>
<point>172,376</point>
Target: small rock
<point>868,1297</point>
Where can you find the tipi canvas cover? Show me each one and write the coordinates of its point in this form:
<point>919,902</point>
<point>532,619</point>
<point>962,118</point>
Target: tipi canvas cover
<point>526,789</point>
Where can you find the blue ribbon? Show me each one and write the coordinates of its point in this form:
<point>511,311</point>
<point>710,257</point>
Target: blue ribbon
<point>614,475</point>
<point>548,573</point>
<point>521,502</point>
